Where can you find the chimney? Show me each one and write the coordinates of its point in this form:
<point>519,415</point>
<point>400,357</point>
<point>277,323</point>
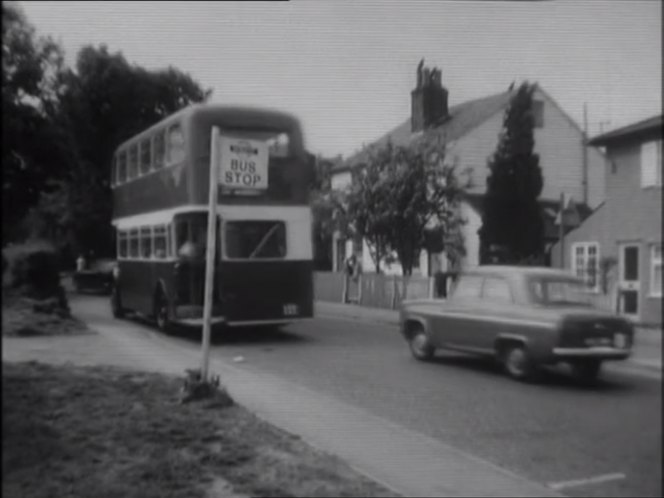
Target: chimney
<point>428,99</point>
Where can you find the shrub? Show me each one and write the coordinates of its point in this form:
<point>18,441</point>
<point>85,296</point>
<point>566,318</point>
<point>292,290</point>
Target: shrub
<point>31,269</point>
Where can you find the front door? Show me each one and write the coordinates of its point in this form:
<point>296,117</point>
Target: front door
<point>629,280</point>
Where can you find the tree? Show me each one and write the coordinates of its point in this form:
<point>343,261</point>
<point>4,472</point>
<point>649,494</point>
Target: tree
<point>32,155</point>
<point>102,103</point>
<point>400,195</point>
<point>512,222</point>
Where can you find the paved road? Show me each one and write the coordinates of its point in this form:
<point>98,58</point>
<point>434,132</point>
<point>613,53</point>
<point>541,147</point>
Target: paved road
<point>604,441</point>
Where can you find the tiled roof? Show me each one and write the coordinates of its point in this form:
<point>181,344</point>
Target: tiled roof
<point>462,118</point>
<point>647,125</point>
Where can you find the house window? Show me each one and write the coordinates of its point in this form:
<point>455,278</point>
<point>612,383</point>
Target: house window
<point>656,270</point>
<point>585,263</point>
<point>651,164</point>
<point>538,114</point>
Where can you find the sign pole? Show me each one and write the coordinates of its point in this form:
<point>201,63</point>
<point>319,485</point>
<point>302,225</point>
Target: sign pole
<point>211,250</point>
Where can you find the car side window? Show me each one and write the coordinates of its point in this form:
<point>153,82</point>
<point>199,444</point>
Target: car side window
<point>496,289</point>
<point>468,286</point>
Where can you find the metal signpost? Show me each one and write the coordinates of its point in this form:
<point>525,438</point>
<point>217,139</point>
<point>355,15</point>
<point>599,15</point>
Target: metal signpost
<point>211,250</point>
<point>242,165</point>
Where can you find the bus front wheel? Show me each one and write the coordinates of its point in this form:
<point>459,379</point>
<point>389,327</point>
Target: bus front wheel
<point>161,312</point>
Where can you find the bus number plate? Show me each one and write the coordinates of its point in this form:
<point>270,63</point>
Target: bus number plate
<point>290,309</point>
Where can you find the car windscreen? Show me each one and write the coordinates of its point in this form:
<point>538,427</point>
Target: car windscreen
<point>550,291</point>
<point>255,239</point>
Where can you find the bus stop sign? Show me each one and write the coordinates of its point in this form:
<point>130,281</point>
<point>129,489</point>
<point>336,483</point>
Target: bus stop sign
<point>243,163</point>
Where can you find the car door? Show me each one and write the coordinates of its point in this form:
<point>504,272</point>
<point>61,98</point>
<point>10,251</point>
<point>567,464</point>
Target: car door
<point>455,322</point>
<point>495,313</point>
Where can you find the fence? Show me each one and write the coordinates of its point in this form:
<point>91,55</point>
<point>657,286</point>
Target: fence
<point>387,292</point>
<point>375,291</point>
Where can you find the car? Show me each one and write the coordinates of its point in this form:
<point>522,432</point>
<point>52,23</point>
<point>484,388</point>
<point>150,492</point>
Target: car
<point>98,277</point>
<point>524,317</point>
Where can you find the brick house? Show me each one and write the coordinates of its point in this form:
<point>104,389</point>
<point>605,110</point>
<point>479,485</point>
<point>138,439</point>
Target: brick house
<point>627,226</point>
<point>470,130</point>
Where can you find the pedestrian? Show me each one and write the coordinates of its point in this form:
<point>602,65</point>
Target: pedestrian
<point>80,263</point>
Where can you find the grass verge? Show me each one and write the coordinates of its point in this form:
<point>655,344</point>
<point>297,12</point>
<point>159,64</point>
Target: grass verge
<point>24,316</point>
<point>106,432</point>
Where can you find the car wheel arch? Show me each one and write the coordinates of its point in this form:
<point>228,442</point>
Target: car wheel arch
<point>503,341</point>
<point>414,324</point>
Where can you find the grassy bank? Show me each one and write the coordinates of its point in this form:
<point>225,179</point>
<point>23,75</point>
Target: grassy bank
<point>81,432</point>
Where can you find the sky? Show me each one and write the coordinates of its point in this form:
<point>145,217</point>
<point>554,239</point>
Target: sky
<point>346,67</point>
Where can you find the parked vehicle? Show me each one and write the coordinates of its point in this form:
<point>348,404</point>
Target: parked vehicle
<point>525,317</point>
<point>98,276</point>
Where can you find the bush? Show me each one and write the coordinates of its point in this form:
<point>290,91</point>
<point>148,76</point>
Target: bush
<point>32,270</point>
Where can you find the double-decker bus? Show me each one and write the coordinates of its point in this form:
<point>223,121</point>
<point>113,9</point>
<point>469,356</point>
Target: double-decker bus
<point>263,270</point>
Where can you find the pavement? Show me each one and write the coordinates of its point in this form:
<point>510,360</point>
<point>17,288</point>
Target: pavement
<point>646,357</point>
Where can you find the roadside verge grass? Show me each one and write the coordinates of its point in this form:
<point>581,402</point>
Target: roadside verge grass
<point>107,432</point>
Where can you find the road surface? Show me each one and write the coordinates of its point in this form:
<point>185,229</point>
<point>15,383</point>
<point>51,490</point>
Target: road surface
<point>600,441</point>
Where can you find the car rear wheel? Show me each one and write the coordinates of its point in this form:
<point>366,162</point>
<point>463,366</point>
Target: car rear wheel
<point>586,370</point>
<point>116,303</point>
<point>518,363</point>
<point>420,346</point>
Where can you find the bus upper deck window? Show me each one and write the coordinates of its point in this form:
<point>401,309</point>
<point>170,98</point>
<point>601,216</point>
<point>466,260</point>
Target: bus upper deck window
<point>146,159</point>
<point>122,167</point>
<point>175,146</point>
<point>133,162</point>
<point>159,149</point>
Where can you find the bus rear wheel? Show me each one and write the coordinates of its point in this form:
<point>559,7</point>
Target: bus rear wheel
<point>161,317</point>
<point>116,303</point>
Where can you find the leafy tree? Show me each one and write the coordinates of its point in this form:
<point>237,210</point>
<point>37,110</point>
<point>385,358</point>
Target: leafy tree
<point>512,222</point>
<point>400,196</point>
<point>32,155</point>
<point>100,104</point>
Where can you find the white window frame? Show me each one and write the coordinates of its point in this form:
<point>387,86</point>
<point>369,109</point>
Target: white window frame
<point>651,164</point>
<point>654,263</point>
<point>586,250</point>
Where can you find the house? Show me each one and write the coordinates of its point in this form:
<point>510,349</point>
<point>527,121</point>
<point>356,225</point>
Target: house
<point>627,227</point>
<point>471,130</point>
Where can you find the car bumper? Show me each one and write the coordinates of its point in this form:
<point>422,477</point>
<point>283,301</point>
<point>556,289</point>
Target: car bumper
<point>600,352</point>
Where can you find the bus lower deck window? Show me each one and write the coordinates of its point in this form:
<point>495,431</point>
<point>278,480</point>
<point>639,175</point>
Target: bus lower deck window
<point>133,243</point>
<point>255,239</point>
<point>122,244</point>
<point>160,245</point>
<point>146,242</point>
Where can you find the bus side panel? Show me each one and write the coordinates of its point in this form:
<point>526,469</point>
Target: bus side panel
<point>269,290</point>
<point>136,285</point>
<point>163,271</point>
<point>162,189</point>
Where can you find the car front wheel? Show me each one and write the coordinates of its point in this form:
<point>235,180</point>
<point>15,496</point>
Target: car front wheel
<point>420,346</point>
<point>518,363</point>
